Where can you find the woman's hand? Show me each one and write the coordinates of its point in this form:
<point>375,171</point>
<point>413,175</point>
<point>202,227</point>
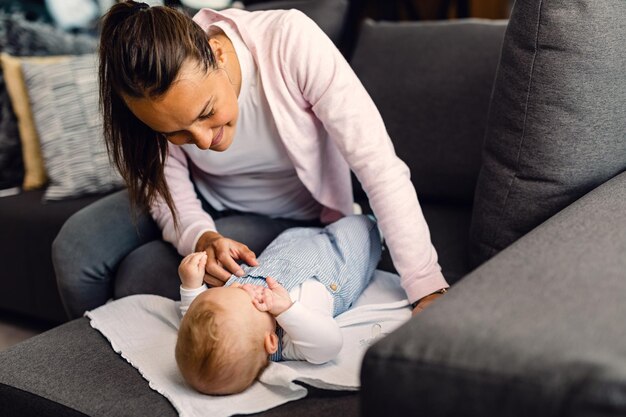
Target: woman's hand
<point>222,255</point>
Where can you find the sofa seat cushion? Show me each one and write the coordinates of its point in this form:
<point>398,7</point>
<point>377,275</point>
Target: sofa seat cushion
<point>72,370</point>
<point>536,331</point>
<point>557,123</point>
<point>28,229</point>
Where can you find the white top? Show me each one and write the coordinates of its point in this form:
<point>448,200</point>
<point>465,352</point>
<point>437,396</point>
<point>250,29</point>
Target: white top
<point>311,332</point>
<point>264,181</point>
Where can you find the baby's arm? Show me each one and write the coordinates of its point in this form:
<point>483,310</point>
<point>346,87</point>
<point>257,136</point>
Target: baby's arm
<point>313,335</point>
<point>311,331</point>
<point>191,273</point>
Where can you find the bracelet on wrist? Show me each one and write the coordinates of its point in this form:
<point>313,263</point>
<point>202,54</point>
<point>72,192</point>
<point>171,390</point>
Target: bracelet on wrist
<point>441,291</point>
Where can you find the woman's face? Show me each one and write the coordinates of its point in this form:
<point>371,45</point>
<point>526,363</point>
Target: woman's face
<point>199,108</point>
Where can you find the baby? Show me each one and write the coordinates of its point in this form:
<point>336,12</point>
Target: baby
<point>283,309</point>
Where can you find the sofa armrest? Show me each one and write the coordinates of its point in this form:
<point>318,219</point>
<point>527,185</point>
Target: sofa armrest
<point>536,331</point>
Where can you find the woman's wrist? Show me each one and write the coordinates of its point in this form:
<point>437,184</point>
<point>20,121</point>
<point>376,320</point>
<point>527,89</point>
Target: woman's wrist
<point>433,295</point>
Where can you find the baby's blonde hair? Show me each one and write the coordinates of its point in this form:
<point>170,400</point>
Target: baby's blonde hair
<point>214,355</point>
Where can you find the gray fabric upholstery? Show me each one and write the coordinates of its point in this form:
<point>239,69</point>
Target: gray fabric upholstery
<point>75,366</point>
<point>449,231</point>
<point>537,331</point>
<point>28,229</point>
<point>16,402</point>
<point>436,112</point>
<point>557,125</point>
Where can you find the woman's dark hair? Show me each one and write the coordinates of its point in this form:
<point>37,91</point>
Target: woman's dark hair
<point>141,52</point>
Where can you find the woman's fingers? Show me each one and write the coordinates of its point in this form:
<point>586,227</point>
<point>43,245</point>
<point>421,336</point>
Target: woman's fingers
<point>229,264</point>
<point>215,270</point>
<point>212,281</point>
<point>246,255</point>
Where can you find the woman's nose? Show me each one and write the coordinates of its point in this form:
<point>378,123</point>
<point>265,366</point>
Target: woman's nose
<point>202,137</point>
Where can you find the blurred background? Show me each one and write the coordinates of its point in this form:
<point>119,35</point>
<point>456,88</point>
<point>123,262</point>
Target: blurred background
<point>81,15</point>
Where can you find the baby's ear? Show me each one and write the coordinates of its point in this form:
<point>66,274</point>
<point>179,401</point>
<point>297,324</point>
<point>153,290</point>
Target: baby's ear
<point>271,343</point>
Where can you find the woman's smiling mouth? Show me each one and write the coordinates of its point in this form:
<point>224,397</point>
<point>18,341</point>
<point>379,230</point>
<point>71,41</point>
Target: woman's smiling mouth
<point>218,138</point>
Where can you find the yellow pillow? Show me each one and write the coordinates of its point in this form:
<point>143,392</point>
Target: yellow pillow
<point>34,168</point>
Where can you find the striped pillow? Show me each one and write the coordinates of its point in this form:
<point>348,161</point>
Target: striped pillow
<point>64,102</point>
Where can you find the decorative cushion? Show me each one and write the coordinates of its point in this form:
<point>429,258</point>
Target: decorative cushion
<point>432,83</point>
<point>557,126</point>
<point>64,101</point>
<point>35,172</point>
<point>20,37</point>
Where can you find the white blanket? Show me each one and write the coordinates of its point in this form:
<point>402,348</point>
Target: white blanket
<point>143,328</point>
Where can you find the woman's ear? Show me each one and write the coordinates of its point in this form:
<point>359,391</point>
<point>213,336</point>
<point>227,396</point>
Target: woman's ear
<point>217,46</point>
<point>271,343</point>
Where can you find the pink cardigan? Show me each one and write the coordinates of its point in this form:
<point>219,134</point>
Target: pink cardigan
<point>307,82</point>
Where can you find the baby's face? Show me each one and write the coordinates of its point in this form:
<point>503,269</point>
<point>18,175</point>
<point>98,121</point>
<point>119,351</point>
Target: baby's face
<point>235,304</point>
<point>244,330</point>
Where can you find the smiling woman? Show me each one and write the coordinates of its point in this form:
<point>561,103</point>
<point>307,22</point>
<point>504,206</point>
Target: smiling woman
<point>228,129</point>
<point>207,123</point>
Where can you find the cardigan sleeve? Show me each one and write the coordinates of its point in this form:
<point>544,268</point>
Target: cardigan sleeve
<point>341,103</point>
<point>193,220</point>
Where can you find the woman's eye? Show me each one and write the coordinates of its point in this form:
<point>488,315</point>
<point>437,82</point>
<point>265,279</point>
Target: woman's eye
<point>208,115</point>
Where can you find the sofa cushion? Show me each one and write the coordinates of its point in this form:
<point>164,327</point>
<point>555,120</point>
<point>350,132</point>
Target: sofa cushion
<point>431,83</point>
<point>536,331</point>
<point>29,139</point>
<point>557,125</point>
<point>21,37</point>
<point>64,102</point>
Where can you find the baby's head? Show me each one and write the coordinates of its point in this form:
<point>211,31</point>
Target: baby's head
<point>224,341</point>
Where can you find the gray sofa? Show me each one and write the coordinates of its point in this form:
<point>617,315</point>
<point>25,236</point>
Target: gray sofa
<point>537,329</point>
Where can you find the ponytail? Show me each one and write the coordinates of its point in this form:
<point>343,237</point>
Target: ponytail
<point>141,51</point>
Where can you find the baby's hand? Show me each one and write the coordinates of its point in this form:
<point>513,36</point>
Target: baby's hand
<point>274,299</point>
<point>191,270</point>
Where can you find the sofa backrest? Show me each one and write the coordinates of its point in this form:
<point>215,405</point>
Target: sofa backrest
<point>557,126</point>
<point>431,82</point>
